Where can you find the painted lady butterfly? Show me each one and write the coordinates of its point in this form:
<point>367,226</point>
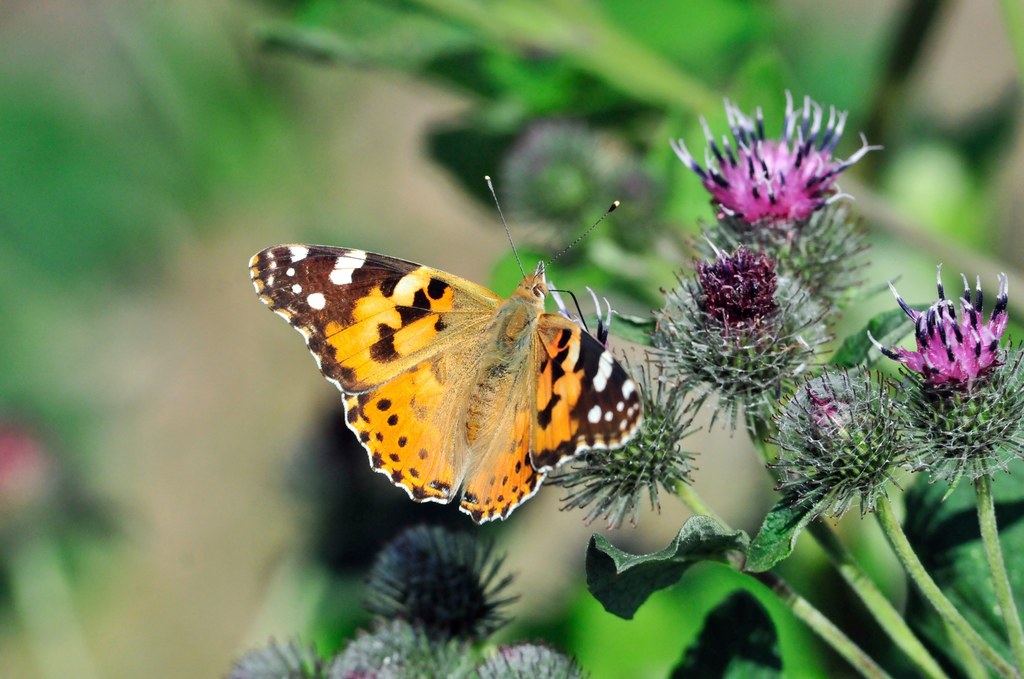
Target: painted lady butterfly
<point>447,385</point>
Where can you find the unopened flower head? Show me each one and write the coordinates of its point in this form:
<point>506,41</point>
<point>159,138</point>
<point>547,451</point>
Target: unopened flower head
<point>277,659</point>
<point>768,181</point>
<point>612,484</point>
<point>950,350</point>
<point>838,442</point>
<point>560,173</point>
<point>397,649</point>
<point>738,332</point>
<point>447,582</point>
<point>529,661</point>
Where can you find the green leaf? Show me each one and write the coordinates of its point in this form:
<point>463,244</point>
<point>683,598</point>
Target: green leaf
<point>779,531</point>
<point>738,642</point>
<point>636,329</point>
<point>623,581</point>
<point>946,537</point>
<point>887,327</point>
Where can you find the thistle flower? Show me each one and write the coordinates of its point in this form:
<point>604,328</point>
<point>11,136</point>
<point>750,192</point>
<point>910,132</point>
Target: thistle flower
<point>396,649</point>
<point>529,661</point>
<point>963,396</point>
<point>953,431</point>
<point>613,483</point>
<point>772,181</point>
<point>558,172</point>
<point>823,252</point>
<point>447,582</point>
<point>738,331</point>
<point>277,660</point>
<point>738,291</point>
<point>948,350</point>
<point>838,442</point>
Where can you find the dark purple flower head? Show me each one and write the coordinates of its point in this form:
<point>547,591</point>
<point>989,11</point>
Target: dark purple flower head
<point>774,180</point>
<point>951,351</point>
<point>738,289</point>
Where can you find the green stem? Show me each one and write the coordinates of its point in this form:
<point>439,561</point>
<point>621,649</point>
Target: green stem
<point>970,663</point>
<point>695,503</point>
<point>1013,16</point>
<point>821,625</point>
<point>915,569</point>
<point>1000,579</point>
<point>884,612</point>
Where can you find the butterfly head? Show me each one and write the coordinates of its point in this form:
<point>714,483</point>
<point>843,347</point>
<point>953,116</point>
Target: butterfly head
<point>534,287</point>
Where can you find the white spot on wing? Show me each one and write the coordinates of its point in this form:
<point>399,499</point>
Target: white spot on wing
<point>296,288</point>
<point>628,388</point>
<point>604,371</point>
<point>345,265</point>
<point>317,300</point>
<point>608,416</point>
<point>594,415</point>
<point>290,271</point>
<point>619,407</point>
<point>298,253</point>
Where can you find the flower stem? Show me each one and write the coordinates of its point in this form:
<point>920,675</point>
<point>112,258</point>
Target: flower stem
<point>695,503</point>
<point>1000,579</point>
<point>915,569</point>
<point>884,612</point>
<point>821,625</point>
<point>1013,19</point>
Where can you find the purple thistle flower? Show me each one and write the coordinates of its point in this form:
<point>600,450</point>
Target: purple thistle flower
<point>774,180</point>
<point>951,351</point>
<point>738,289</point>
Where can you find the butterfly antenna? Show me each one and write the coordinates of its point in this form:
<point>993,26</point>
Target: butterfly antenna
<point>587,232</point>
<point>505,224</point>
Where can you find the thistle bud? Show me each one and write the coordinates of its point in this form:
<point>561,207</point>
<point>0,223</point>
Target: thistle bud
<point>447,582</point>
<point>838,442</point>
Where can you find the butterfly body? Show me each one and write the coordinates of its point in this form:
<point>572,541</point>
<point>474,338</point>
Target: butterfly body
<point>446,385</point>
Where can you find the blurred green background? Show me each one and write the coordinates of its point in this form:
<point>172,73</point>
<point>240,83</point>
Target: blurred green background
<point>154,519</point>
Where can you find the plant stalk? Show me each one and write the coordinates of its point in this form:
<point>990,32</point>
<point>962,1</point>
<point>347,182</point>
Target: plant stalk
<point>821,625</point>
<point>915,569</point>
<point>996,564</point>
<point>881,608</point>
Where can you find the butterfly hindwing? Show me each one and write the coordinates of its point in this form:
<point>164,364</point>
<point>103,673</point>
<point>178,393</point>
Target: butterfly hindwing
<point>408,428</point>
<point>585,399</point>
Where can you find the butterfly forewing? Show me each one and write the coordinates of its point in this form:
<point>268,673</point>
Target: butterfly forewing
<point>367,317</point>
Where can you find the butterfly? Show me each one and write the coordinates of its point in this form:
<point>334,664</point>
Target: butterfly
<point>448,387</point>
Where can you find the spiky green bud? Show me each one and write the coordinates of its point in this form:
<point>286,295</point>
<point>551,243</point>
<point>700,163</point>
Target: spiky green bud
<point>614,483</point>
<point>838,442</point>
<point>448,582</point>
<point>529,661</point>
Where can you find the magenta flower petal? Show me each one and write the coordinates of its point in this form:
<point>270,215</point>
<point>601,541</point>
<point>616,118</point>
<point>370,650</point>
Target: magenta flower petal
<point>774,180</point>
<point>951,350</point>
